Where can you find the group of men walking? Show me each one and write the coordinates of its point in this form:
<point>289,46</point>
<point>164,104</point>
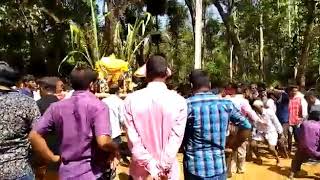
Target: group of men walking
<point>212,130</point>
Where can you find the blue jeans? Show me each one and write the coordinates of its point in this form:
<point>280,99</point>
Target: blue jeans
<point>189,176</point>
<point>29,176</point>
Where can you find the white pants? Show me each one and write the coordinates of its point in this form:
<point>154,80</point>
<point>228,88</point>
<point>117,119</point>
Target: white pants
<point>270,137</point>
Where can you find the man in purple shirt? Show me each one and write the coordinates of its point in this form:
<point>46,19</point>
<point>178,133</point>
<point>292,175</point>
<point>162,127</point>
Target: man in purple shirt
<point>83,128</point>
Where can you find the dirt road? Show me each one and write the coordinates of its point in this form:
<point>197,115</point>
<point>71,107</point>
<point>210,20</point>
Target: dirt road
<point>267,171</point>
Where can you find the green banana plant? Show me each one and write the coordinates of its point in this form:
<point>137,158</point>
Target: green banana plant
<point>84,42</point>
<point>136,37</point>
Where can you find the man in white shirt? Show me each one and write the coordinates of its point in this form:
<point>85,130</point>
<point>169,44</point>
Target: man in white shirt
<point>271,102</point>
<point>312,100</point>
<point>116,107</point>
<point>240,100</point>
<point>270,133</point>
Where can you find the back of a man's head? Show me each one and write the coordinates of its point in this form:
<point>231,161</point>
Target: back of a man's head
<point>27,78</point>
<point>48,84</point>
<point>114,89</point>
<point>81,78</point>
<point>199,79</point>
<point>156,67</point>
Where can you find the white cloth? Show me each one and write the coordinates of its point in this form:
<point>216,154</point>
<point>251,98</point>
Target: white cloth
<point>274,124</point>
<point>304,105</point>
<point>271,138</point>
<point>69,94</point>
<point>116,112</point>
<point>271,105</point>
<point>36,95</point>
<point>273,128</point>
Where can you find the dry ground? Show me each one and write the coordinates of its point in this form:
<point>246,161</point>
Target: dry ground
<point>267,171</point>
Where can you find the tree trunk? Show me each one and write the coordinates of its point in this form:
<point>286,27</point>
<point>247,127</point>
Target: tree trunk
<point>232,35</point>
<point>116,10</point>
<point>198,35</point>
<point>231,63</point>
<point>191,7</point>
<point>110,25</point>
<point>261,47</point>
<point>289,18</point>
<point>307,39</point>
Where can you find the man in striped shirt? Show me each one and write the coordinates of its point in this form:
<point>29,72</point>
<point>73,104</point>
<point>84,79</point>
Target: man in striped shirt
<point>207,125</point>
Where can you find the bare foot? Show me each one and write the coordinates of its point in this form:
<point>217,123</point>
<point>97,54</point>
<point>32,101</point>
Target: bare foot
<point>278,162</point>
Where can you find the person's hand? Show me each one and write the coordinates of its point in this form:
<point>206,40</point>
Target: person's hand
<point>56,159</point>
<point>113,156</point>
<point>164,177</point>
<point>281,138</point>
<point>114,163</point>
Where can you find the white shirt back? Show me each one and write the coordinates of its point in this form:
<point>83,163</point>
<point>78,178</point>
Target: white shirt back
<point>116,105</point>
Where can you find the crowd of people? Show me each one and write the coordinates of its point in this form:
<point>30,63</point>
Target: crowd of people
<point>217,129</point>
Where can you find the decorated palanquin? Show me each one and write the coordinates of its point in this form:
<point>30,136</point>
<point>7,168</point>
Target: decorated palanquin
<point>113,71</point>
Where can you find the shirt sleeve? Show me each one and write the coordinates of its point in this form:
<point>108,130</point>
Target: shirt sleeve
<point>252,115</point>
<point>33,113</point>
<point>121,113</point>
<point>175,139</point>
<point>238,119</point>
<point>276,122</point>
<point>139,153</point>
<point>46,123</point>
<point>304,107</point>
<point>101,121</point>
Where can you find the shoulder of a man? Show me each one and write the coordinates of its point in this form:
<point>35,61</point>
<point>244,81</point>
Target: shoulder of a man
<point>177,96</point>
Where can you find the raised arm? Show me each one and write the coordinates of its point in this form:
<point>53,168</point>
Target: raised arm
<point>237,118</point>
<point>244,127</point>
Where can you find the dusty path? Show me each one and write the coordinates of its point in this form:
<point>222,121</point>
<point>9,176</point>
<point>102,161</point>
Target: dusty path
<point>267,171</point>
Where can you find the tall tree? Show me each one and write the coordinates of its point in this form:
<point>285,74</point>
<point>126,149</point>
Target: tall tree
<point>198,35</point>
<point>307,39</point>
<point>226,9</point>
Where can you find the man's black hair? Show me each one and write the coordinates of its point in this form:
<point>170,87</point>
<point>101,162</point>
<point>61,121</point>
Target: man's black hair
<point>199,79</point>
<point>311,93</point>
<point>114,89</point>
<point>196,73</point>
<point>270,94</point>
<point>48,83</point>
<point>8,76</point>
<point>314,113</point>
<point>28,78</point>
<point>291,87</point>
<point>156,67</point>
<point>81,78</point>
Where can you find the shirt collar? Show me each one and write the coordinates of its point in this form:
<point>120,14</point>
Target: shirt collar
<point>239,96</point>
<point>157,85</point>
<point>202,93</point>
<point>80,92</point>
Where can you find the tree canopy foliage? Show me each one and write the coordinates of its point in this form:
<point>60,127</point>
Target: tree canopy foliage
<point>273,41</point>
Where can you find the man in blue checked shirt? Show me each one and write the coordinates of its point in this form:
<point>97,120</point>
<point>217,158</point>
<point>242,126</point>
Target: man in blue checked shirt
<point>206,131</point>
